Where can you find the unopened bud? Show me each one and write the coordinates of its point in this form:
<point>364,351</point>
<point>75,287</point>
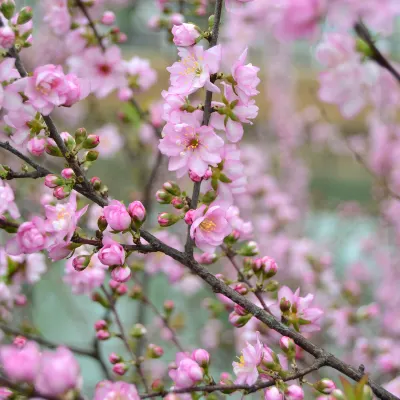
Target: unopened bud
<point>114,358</point>
<point>138,213</point>
<point>169,306</point>
<point>206,258</point>
<point>178,203</point>
<point>96,182</point>
<point>163,197</point>
<point>98,298</point>
<point>80,135</point>
<point>7,8</point>
<point>68,173</point>
<point>80,262</point>
<point>91,155</point>
<point>157,385</point>
<point>154,351</point>
<point>239,310</point>
<point>52,181</point>
<point>241,288</point>
<point>138,331</point>
<point>285,305</point>
<point>120,369</point>
<point>325,386</point>
<point>52,149</point>
<point>91,142</point>
<point>61,192</point>
<point>103,334</point>
<point>172,188</point>
<point>136,292</point>
<point>250,249</point>
<point>202,357</point>
<point>238,320</point>
<point>100,324</point>
<point>24,16</point>
<point>167,219</point>
<point>288,346</point>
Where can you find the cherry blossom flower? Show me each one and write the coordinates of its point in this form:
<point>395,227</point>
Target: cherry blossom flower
<point>58,16</point>
<point>140,74</point>
<point>116,390</point>
<point>187,373</point>
<point>7,201</point>
<point>185,35</point>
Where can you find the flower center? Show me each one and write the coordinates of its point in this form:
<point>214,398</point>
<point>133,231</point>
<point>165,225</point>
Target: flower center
<point>192,66</point>
<point>193,144</point>
<point>208,225</point>
<point>241,361</point>
<point>104,69</point>
<point>44,88</point>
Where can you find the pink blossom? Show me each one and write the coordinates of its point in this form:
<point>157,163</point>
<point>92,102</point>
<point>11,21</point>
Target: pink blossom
<point>30,238</point>
<point>84,282</point>
<point>185,34</point>
<point>193,71</point>
<point>62,219</point>
<point>246,369</point>
<point>36,146</point>
<point>294,392</point>
<point>10,98</point>
<point>110,140</point>
<point>7,200</point>
<point>242,228</point>
<point>20,364</point>
<point>78,89</point>
<point>273,393</point>
<point>105,70</point>
<point>140,73</point>
<point>246,78</point>
<point>18,121</point>
<point>210,227</point>
<point>172,107</point>
<point>309,316</point>
<point>117,216</point>
<point>7,37</point>
<point>112,253</point>
<point>188,372</point>
<point>116,390</point>
<point>58,372</point>
<point>190,146</point>
<point>201,356</point>
<point>108,18</point>
<point>58,16</point>
<point>121,274</point>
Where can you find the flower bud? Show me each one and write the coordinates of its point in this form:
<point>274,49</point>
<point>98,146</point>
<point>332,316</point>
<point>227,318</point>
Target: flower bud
<point>80,135</point>
<point>7,37</point>
<point>169,306</point>
<point>157,385</point>
<point>209,197</point>
<point>68,173</point>
<point>68,140</point>
<point>241,288</point>
<point>61,192</point>
<point>7,8</point>
<point>103,334</point>
<point>172,188</point>
<point>19,341</point>
<point>189,217</point>
<point>120,369</point>
<point>273,393</point>
<point>138,213</point>
<point>288,346</point>
<point>194,177</point>
<point>285,305</point>
<point>136,292</point>
<point>238,320</point>
<point>338,395</point>
<point>52,148</point>
<point>138,331</point>
<point>121,274</point>
<point>267,265</point>
<point>96,182</point>
<point>202,357</point>
<point>125,94</point>
<point>80,262</point>
<point>114,358</point>
<point>122,289</point>
<point>294,392</point>
<point>91,155</point>
<point>239,310</point>
<point>163,197</point>
<point>154,351</point>
<point>325,386</point>
<point>250,249</point>
<point>206,258</point>
<point>91,142</point>
<point>108,18</point>
<point>52,181</point>
<point>167,219</point>
<point>24,16</point>
<point>178,203</point>
<point>102,223</point>
<point>98,298</point>
<point>100,324</point>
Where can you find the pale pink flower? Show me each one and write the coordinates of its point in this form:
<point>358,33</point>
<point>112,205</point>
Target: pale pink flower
<point>112,253</point>
<point>78,89</point>
<point>18,120</point>
<point>121,273</point>
<point>116,390</point>
<point>302,308</point>
<point>75,40</point>
<point>172,107</point>
<point>187,373</point>
<point>58,16</point>
<point>84,282</point>
<point>111,141</point>
<point>185,34</point>
<point>394,386</point>
<point>7,201</point>
<point>36,146</point>
<point>62,219</point>
<point>108,18</point>
<point>35,267</point>
<point>242,228</point>
<point>58,373</point>
<point>210,227</point>
<point>140,71</point>
<point>30,238</point>
<point>10,99</point>
<point>117,216</point>
<point>7,37</point>
<point>105,70</point>
<point>193,71</point>
<point>190,146</point>
<point>20,364</point>
<point>294,392</point>
<point>273,393</point>
<point>246,369</point>
<point>246,78</point>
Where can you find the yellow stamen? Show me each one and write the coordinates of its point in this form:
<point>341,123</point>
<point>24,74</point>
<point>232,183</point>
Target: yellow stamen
<point>208,225</point>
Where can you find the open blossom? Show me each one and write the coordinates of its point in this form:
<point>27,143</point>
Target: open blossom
<point>190,146</point>
<point>58,372</point>
<point>9,96</point>
<point>193,71</point>
<point>209,227</point>
<point>188,372</point>
<point>140,73</point>
<point>7,200</point>
<point>116,390</point>
<point>112,253</point>
<point>110,141</point>
<point>62,219</point>
<point>246,369</point>
<point>20,364</point>
<point>49,88</point>
<point>30,238</point>
<point>58,16</point>
<point>104,70</point>
<point>308,317</point>
<point>117,216</point>
<point>185,34</point>
<point>18,120</point>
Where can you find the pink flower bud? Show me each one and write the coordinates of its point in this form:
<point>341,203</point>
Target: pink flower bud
<point>122,37</point>
<point>36,146</point>
<point>21,300</point>
<point>268,265</point>
<point>287,345</point>
<point>194,177</point>
<point>241,288</point>
<point>172,188</point>
<point>102,334</point>
<point>273,393</point>
<point>52,148</point>
<point>238,320</point>
<point>207,175</point>
<point>80,262</point>
<point>169,306</point>
<point>185,34</point>
<point>138,213</point>
<point>294,392</point>
<point>114,358</point>
<point>120,369</point>
<point>239,310</point>
<point>96,182</point>
<point>167,219</point>
<point>121,274</point>
<point>112,253</point>
<point>206,258</point>
<point>178,203</point>
<point>20,341</point>
<point>68,173</point>
<point>202,357</point>
<point>154,351</point>
<point>61,192</point>
<point>117,216</point>
<point>108,18</point>
<point>189,217</point>
<point>100,324</point>
<point>7,37</point>
<point>163,197</point>
<point>176,19</point>
<point>325,386</point>
<point>157,385</point>
<point>52,181</point>
<point>125,94</point>
<point>91,142</point>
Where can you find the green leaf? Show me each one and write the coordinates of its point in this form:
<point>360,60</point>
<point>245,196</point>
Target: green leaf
<point>348,389</point>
